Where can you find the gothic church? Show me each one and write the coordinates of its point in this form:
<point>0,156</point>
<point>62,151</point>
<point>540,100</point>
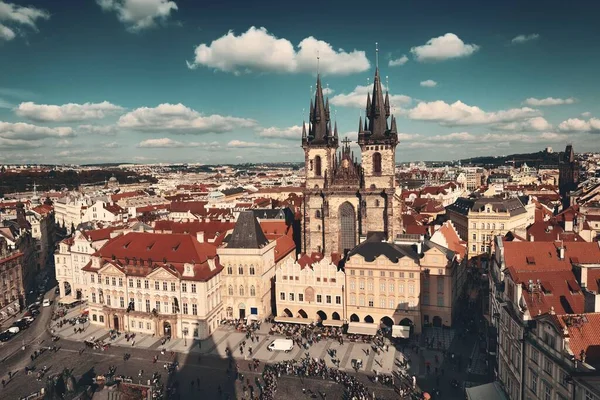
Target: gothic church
<point>346,201</point>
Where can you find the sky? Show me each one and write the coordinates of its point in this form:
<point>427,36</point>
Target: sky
<point>218,81</point>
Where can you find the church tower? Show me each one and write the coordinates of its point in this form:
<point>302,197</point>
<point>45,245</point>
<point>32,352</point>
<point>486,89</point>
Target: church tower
<point>378,140</point>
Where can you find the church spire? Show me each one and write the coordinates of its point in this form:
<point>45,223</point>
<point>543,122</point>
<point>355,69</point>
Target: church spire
<point>377,117</point>
<point>319,129</point>
<point>368,115</point>
<point>360,124</point>
<point>335,131</point>
<point>387,104</point>
<point>303,131</point>
<point>393,128</point>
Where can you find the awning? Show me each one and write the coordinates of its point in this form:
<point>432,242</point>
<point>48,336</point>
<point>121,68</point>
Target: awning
<point>251,317</point>
<point>332,322</point>
<point>489,391</point>
<point>67,300</point>
<point>401,331</point>
<point>362,328</point>
<point>290,320</point>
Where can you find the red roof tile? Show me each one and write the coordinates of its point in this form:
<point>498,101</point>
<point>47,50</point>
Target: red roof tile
<point>284,246</point>
<point>584,334</point>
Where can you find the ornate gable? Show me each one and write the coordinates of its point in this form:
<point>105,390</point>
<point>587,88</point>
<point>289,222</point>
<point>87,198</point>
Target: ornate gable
<point>110,269</point>
<point>162,273</point>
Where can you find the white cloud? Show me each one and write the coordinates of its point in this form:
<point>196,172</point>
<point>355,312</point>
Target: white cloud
<point>398,61</point>
<point>358,98</point>
<point>327,91</point>
<point>108,130</point>
<point>443,48</point>
<point>429,83</point>
<point>244,145</point>
<point>548,101</point>
<point>13,15</point>
<point>24,131</point>
<point>459,113</point>
<point>586,114</point>
<point>466,137</point>
<point>179,119</point>
<point>579,125</point>
<point>164,143</point>
<point>110,145</point>
<point>257,50</point>
<point>18,144</point>
<point>292,133</point>
<point>525,38</point>
<point>71,112</point>
<point>138,15</point>
<point>533,124</point>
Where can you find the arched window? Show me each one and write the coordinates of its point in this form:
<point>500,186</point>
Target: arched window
<point>318,214</point>
<point>230,291</point>
<point>252,291</point>
<point>252,270</point>
<point>376,203</point>
<point>376,163</point>
<point>347,227</point>
<point>318,166</point>
<point>241,290</point>
<point>241,270</point>
<point>230,270</point>
<point>318,228</point>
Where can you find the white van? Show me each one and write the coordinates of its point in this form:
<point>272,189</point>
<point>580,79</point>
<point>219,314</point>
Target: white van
<point>281,345</point>
<point>46,303</point>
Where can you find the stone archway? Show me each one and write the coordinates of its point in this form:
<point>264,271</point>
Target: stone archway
<point>369,319</point>
<point>354,318</point>
<point>335,316</point>
<point>407,322</point>
<point>437,321</point>
<point>302,313</point>
<point>167,329</point>
<point>322,316</point>
<point>288,313</point>
<point>116,324</point>
<point>387,322</point>
<point>67,288</point>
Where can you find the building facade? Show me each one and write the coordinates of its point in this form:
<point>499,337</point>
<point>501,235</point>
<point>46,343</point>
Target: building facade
<point>12,290</point>
<point>345,200</point>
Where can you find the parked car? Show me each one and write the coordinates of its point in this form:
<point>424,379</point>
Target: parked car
<point>5,336</point>
<point>29,319</point>
<point>285,345</point>
<point>35,312</point>
<point>46,303</point>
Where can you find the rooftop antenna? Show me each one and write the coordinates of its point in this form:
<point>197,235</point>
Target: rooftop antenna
<point>376,55</point>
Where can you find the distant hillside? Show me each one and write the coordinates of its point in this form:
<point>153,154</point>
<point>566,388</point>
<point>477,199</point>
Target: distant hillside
<point>532,159</point>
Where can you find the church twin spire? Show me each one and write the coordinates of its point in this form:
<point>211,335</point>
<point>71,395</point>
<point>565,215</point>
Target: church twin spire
<point>319,128</point>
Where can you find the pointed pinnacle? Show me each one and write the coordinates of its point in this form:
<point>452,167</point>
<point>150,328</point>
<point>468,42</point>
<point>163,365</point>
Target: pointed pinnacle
<point>303,129</point>
<point>360,124</point>
<point>335,131</point>
<point>368,104</point>
<point>393,128</point>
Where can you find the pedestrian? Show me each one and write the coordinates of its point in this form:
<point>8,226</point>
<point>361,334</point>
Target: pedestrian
<point>198,383</point>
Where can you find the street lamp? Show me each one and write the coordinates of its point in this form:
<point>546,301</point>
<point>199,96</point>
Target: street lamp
<point>185,332</point>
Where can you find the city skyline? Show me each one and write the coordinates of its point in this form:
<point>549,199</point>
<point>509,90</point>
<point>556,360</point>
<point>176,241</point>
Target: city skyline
<point>169,81</point>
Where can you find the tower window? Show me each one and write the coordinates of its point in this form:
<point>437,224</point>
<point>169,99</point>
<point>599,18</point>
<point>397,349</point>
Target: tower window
<point>318,214</point>
<point>376,163</point>
<point>318,166</point>
<point>376,203</point>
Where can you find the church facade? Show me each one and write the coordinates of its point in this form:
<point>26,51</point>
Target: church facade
<point>346,200</point>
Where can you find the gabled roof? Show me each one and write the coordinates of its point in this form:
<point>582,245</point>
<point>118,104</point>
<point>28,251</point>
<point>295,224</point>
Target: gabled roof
<point>247,233</point>
<point>99,234</point>
<point>584,334</point>
<point>393,252</point>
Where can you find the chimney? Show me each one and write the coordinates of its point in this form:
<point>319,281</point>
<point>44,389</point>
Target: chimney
<point>200,236</point>
<point>568,225</point>
<point>561,252</point>
<point>531,238</point>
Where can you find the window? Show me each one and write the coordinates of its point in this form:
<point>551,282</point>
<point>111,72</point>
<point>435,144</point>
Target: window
<point>184,287</point>
<point>173,308</point>
<point>548,366</point>
<point>381,303</point>
<point>94,318</point>
<point>474,236</point>
<point>318,166</point>
<point>241,290</point>
<point>147,305</point>
<point>194,310</point>
<point>230,290</point>
<point>391,287</point>
<point>282,296</point>
<point>474,248</point>
<point>392,303</point>
<point>193,288</point>
<point>138,283</point>
<point>371,302</point>
<point>291,296</point>
<point>391,274</point>
<point>130,282</point>
<point>164,286</point>
<point>376,163</point>
<point>141,325</point>
<point>172,286</point>
<point>352,285</point>
<point>370,273</point>
<point>108,300</point>
<point>361,285</point>
<point>401,288</point>
<point>535,355</point>
<point>92,278</point>
<point>426,298</point>
<point>550,340</point>
<point>185,308</point>
<point>352,300</point>
<point>252,291</point>
<point>229,270</point>
<point>411,275</point>
<point>381,273</point>
<point>146,284</point>
<point>361,273</point>
<point>361,301</point>
<point>533,381</point>
<point>328,299</point>
<point>382,287</point>
<point>338,299</point>
<point>122,302</point>
<point>93,297</point>
<point>101,318</point>
<point>158,306</point>
<point>547,391</point>
<point>411,288</point>
<point>114,281</point>
<point>252,270</point>
<point>319,299</point>
<point>352,272</point>
<point>562,375</point>
<point>401,274</point>
<point>440,300</point>
<point>156,285</point>
<point>300,297</point>
<point>241,270</point>
<point>107,280</point>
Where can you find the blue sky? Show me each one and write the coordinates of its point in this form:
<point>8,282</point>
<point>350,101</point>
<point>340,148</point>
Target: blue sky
<point>230,81</point>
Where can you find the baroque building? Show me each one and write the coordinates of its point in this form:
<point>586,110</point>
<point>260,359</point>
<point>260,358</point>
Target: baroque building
<point>346,200</point>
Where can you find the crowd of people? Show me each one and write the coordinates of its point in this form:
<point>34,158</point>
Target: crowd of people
<point>305,335</point>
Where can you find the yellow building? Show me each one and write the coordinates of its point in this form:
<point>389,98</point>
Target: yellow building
<point>477,221</point>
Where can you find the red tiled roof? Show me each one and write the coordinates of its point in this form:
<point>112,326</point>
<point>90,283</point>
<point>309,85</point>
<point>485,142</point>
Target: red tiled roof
<point>211,229</point>
<point>453,240</point>
<point>195,207</point>
<point>284,246</point>
<point>43,209</point>
<point>152,208</point>
<point>584,334</point>
<point>544,254</point>
<point>555,294</point>
<point>125,195</point>
<point>11,257</point>
<point>593,279</point>
<point>550,231</point>
<point>176,249</point>
<point>114,209</point>
<point>99,234</point>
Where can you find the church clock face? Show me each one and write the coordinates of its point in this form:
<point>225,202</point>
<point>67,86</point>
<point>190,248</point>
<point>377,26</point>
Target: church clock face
<point>345,164</point>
